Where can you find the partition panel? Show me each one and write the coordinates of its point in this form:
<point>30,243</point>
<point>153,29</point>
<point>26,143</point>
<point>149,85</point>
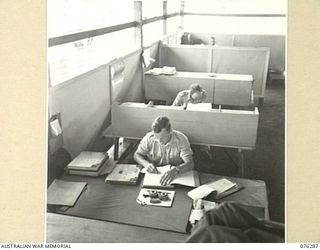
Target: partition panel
<point>243,60</point>
<point>190,58</point>
<point>226,128</point>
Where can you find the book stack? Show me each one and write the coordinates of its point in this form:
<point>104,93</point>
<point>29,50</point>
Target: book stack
<point>87,163</point>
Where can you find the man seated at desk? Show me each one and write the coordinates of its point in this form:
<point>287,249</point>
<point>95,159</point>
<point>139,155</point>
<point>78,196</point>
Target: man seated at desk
<point>163,146</point>
<point>196,94</point>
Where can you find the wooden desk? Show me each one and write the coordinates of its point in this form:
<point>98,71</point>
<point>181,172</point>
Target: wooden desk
<point>226,128</point>
<point>63,228</point>
<point>222,89</point>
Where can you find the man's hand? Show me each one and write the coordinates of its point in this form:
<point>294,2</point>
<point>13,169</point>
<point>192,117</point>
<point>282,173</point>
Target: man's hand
<point>152,169</point>
<point>168,176</point>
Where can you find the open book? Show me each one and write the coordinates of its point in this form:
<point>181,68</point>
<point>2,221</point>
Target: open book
<point>190,178</point>
<point>218,187</point>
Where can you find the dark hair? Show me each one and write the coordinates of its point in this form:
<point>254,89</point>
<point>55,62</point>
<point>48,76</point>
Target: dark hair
<point>160,123</point>
<point>195,88</point>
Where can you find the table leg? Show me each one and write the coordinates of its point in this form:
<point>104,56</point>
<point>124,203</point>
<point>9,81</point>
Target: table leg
<point>241,163</point>
<point>116,148</point>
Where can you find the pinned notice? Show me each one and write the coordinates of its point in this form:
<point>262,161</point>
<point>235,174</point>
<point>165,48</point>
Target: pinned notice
<point>55,127</point>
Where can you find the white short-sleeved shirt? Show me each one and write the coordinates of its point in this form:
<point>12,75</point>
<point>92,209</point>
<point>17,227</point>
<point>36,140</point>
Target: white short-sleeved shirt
<point>170,153</point>
<point>184,96</point>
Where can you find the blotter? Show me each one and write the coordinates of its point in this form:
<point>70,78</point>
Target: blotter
<point>64,193</point>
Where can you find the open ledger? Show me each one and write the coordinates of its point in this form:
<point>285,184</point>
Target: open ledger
<point>190,178</point>
<point>218,187</point>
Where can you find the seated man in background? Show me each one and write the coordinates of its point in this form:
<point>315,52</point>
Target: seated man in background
<point>163,146</point>
<point>196,94</point>
<point>212,41</point>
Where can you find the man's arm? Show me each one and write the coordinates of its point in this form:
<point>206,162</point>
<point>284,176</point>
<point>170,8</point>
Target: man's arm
<point>177,101</point>
<point>142,160</point>
<point>187,165</point>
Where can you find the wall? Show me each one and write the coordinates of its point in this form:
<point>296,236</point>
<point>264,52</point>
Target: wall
<point>84,102</point>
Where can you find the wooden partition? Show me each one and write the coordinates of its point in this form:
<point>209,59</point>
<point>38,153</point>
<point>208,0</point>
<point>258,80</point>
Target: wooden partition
<point>243,60</point>
<point>222,89</point>
<point>164,87</point>
<point>190,58</point>
<point>225,128</point>
<point>276,44</point>
<point>226,60</point>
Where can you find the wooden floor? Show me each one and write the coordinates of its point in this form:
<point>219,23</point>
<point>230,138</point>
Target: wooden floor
<point>62,228</point>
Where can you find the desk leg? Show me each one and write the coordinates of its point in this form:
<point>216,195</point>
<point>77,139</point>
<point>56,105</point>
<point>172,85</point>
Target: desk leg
<point>241,163</point>
<point>116,148</point>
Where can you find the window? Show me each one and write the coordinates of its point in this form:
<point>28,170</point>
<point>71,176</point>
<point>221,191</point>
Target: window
<point>236,6</point>
<point>72,59</point>
<point>152,32</point>
<point>73,16</point>
<point>152,9</point>
<point>173,24</point>
<point>173,6</point>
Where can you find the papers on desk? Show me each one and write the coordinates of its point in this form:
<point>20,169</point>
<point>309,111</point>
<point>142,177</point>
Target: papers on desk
<point>199,107</point>
<point>198,212</point>
<point>145,199</point>
<point>64,193</point>
<point>218,187</point>
<point>162,71</point>
<point>190,178</point>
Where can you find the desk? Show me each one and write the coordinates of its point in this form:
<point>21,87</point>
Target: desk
<point>222,89</point>
<point>64,228</point>
<point>226,128</point>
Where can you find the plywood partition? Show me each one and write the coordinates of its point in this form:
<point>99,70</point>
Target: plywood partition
<point>243,60</point>
<point>166,88</point>
<point>191,58</point>
<point>227,60</point>
<point>276,44</point>
<point>228,128</point>
<point>222,89</point>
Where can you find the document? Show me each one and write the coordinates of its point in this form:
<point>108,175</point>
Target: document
<point>189,178</point>
<point>199,107</point>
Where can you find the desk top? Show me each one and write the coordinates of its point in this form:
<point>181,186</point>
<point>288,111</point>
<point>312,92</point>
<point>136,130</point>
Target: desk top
<point>210,76</point>
<point>64,228</point>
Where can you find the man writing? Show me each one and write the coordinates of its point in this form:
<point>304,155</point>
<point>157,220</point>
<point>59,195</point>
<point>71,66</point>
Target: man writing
<point>196,94</point>
<point>163,146</point>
